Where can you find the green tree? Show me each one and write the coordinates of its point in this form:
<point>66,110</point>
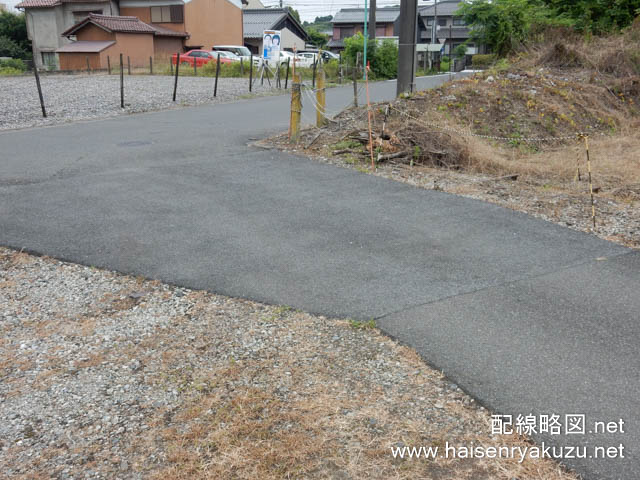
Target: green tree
<point>316,38</point>
<point>504,25</point>
<point>385,60</point>
<point>294,13</point>
<point>13,35</point>
<point>596,16</point>
<point>355,44</point>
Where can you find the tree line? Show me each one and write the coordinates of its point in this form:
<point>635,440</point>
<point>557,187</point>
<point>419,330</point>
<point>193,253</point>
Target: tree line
<point>505,25</point>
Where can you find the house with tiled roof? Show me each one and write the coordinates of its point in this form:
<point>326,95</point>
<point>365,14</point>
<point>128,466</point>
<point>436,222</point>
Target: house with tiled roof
<point>256,21</point>
<point>99,37</point>
<point>349,21</point>
<point>170,26</point>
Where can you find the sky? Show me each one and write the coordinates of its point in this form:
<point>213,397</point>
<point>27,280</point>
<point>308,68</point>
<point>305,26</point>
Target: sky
<point>309,9</point>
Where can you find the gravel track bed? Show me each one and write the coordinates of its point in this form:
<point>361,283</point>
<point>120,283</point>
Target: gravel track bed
<point>108,376</point>
<point>86,97</point>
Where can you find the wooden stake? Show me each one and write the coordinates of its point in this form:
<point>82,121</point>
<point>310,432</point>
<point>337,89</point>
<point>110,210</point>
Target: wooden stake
<point>321,99</point>
<point>593,206</point>
<point>366,79</point>
<point>109,64</point>
<point>296,109</point>
<point>128,65</point>
<point>150,65</point>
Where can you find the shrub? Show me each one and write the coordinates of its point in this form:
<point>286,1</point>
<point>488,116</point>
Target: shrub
<point>483,61</point>
<point>13,63</point>
<point>10,71</point>
<point>355,44</point>
<point>385,60</point>
<point>10,48</point>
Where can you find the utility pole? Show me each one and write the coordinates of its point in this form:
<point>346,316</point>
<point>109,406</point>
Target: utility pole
<point>372,19</point>
<point>407,47</point>
<point>366,37</point>
<point>434,30</point>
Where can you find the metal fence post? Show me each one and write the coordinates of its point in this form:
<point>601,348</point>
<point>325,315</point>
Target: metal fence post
<point>250,72</point>
<point>215,88</point>
<point>121,82</point>
<point>175,85</point>
<point>286,78</point>
<point>35,71</point>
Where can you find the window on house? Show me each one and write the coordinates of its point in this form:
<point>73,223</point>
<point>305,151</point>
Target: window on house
<point>429,21</point>
<point>442,22</point>
<point>346,32</point>
<point>381,31</point>
<point>48,59</point>
<point>167,14</point>
<point>458,22</point>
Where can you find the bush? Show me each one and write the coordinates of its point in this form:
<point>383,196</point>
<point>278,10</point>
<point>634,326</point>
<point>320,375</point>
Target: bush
<point>13,63</point>
<point>10,71</point>
<point>385,60</point>
<point>10,48</point>
<point>355,44</point>
<point>483,61</point>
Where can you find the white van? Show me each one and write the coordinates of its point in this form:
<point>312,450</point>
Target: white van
<point>243,52</point>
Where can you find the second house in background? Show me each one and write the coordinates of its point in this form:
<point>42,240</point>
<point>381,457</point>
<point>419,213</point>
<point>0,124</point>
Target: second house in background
<point>196,23</point>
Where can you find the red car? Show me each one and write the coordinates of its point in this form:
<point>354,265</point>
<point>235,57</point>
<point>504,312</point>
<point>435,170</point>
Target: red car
<point>199,56</point>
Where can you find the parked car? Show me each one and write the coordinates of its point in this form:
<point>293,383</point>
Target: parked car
<point>242,52</point>
<point>305,59</point>
<point>224,54</point>
<point>200,57</point>
<point>326,55</point>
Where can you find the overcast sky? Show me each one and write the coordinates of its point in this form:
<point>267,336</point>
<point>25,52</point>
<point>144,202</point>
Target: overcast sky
<point>309,9</point>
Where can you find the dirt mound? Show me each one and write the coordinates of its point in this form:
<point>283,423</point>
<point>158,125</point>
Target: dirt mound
<point>558,55</point>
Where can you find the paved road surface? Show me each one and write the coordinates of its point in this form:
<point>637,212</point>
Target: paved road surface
<point>525,315</point>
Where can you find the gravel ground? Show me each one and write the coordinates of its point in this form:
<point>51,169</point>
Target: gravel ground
<point>109,376</point>
<point>85,97</point>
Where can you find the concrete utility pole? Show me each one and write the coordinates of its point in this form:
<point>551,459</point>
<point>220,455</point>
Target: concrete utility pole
<point>407,47</point>
<point>372,19</point>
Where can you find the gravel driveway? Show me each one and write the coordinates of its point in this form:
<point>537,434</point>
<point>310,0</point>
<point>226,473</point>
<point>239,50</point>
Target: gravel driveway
<point>108,376</point>
<point>85,97</point>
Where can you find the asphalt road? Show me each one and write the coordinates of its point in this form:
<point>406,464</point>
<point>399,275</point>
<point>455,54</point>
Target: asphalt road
<point>527,316</point>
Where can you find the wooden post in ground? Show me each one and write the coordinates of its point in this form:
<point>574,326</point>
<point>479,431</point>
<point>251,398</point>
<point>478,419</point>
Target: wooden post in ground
<point>109,64</point>
<point>296,109</point>
<point>195,67</point>
<point>175,84</point>
<point>355,86</point>
<point>128,65</point>
<point>150,65</point>
<point>250,72</point>
<point>215,88</point>
<point>35,72</point>
<point>321,99</point>
<point>121,82</point>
